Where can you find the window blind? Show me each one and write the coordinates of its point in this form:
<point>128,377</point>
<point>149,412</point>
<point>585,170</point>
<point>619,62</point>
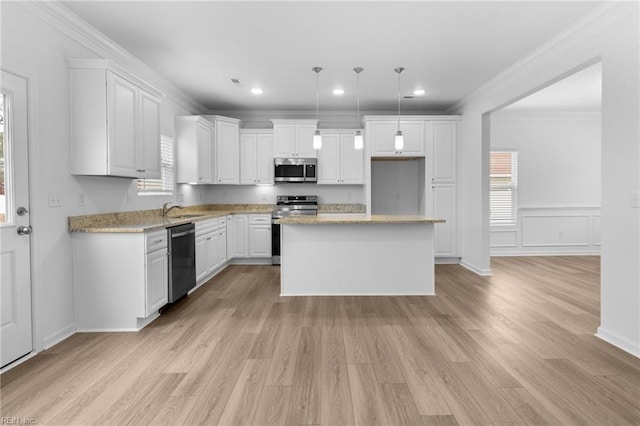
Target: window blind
<point>166,182</point>
<point>503,183</point>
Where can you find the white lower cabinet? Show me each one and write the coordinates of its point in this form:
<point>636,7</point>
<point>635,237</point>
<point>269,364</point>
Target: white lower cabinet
<point>260,235</point>
<point>240,236</point>
<point>230,234</point>
<point>211,247</point>
<point>251,236</point>
<point>156,282</point>
<point>120,279</point>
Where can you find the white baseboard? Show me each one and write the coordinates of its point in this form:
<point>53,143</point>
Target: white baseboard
<point>619,342</point>
<point>545,253</point>
<point>475,269</point>
<point>59,336</point>
<point>447,260</point>
<point>250,261</point>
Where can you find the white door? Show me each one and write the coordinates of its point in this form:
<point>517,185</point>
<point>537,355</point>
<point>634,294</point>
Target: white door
<point>329,160</point>
<point>248,159</point>
<point>228,150</point>
<point>149,147</point>
<point>264,163</point>
<point>15,275</point>
<point>352,161</point>
<point>444,207</point>
<point>122,98</point>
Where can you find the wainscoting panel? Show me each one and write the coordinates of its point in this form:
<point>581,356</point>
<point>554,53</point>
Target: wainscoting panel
<point>540,231</point>
<point>504,238</point>
<point>549,230</point>
<point>597,220</point>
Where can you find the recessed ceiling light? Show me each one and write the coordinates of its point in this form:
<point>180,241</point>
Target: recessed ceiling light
<point>256,91</point>
<point>419,92</point>
<point>338,92</point>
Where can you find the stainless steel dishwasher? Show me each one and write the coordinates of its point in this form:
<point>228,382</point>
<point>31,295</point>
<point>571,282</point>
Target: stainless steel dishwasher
<point>182,260</point>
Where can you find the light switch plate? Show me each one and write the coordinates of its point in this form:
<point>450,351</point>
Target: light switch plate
<point>55,199</point>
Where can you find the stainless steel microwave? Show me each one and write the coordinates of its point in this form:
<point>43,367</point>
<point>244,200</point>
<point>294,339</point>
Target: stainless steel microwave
<point>295,170</point>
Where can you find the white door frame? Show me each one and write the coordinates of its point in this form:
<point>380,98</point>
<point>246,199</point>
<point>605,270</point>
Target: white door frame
<point>36,334</point>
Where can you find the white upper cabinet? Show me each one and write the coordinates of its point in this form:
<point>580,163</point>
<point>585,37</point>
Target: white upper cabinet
<point>294,138</point>
<point>149,148</point>
<point>256,157</point>
<point>442,140</point>
<point>194,140</point>
<point>381,136</point>
<point>227,150</point>
<point>339,163</point>
<point>115,121</point>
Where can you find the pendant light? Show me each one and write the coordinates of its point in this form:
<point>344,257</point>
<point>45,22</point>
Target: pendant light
<point>317,138</point>
<point>399,142</point>
<point>358,141</point>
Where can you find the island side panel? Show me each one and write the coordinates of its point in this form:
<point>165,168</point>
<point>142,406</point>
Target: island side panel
<point>357,259</point>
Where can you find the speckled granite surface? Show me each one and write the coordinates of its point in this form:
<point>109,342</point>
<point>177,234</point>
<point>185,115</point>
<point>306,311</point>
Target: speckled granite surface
<point>351,219</point>
<point>341,208</point>
<point>148,220</point>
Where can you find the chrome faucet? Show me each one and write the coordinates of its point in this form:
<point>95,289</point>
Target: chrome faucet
<point>166,209</point>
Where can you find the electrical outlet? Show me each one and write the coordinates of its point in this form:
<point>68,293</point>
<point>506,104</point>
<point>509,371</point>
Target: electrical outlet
<point>129,197</point>
<point>80,199</point>
<point>55,199</point>
<point>179,197</point>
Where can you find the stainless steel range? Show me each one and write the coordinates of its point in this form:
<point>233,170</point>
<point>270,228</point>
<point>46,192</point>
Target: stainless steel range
<point>289,205</point>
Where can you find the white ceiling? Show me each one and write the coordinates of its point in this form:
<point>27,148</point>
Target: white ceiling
<point>448,48</point>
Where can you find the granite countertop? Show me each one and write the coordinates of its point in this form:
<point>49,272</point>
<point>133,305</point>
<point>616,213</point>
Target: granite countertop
<point>348,219</point>
<point>150,220</point>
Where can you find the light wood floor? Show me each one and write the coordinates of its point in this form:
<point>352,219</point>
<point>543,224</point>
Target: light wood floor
<point>514,348</point>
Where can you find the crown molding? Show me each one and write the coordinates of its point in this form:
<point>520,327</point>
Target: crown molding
<point>597,21</point>
<point>69,24</point>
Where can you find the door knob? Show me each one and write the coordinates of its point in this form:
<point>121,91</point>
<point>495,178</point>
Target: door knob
<point>24,230</point>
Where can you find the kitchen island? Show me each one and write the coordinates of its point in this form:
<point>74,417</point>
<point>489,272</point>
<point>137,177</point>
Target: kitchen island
<point>361,255</point>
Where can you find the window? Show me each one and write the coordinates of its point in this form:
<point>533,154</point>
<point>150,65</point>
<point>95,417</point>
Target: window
<point>503,185</point>
<point>165,184</point>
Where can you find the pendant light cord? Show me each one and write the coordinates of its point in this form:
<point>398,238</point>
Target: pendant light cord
<point>317,96</point>
<point>358,70</point>
<point>399,70</point>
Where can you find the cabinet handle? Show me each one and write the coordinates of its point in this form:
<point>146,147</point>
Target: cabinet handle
<point>158,241</point>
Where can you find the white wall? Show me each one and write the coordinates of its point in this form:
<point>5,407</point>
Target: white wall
<point>558,182</point>
<point>33,49</point>
<point>266,194</point>
<point>395,187</point>
<point>610,35</point>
